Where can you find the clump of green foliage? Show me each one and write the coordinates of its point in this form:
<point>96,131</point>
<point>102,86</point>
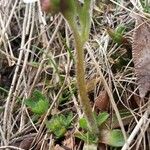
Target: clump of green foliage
<point>110,137</point>
<point>38,103</point>
<point>59,124</point>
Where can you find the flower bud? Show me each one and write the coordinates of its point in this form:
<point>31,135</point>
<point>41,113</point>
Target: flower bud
<point>52,6</point>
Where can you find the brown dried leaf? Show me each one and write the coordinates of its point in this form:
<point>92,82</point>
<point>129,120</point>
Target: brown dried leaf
<point>102,101</point>
<point>141,54</point>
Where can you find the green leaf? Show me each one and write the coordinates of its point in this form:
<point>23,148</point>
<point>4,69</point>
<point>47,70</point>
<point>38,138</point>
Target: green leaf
<point>67,120</point>
<point>87,137</point>
<point>116,138</point>
<point>117,34</point>
<point>59,124</point>
<point>83,123</point>
<point>37,103</point>
<point>41,107</point>
<point>81,136</point>
<point>112,137</point>
<point>101,118</point>
<point>120,29</point>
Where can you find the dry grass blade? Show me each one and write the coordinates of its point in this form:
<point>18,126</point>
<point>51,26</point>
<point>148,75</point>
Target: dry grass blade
<point>144,120</point>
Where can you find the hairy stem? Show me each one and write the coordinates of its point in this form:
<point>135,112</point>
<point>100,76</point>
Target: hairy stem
<point>80,73</point>
<point>84,100</point>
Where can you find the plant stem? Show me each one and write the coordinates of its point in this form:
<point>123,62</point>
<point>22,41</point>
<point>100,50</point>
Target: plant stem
<point>80,40</point>
<point>80,73</point>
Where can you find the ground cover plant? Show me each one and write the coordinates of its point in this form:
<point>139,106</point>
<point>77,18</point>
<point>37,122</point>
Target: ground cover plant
<point>74,74</point>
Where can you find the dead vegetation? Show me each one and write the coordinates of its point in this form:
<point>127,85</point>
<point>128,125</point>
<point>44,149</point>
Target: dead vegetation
<point>37,53</point>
